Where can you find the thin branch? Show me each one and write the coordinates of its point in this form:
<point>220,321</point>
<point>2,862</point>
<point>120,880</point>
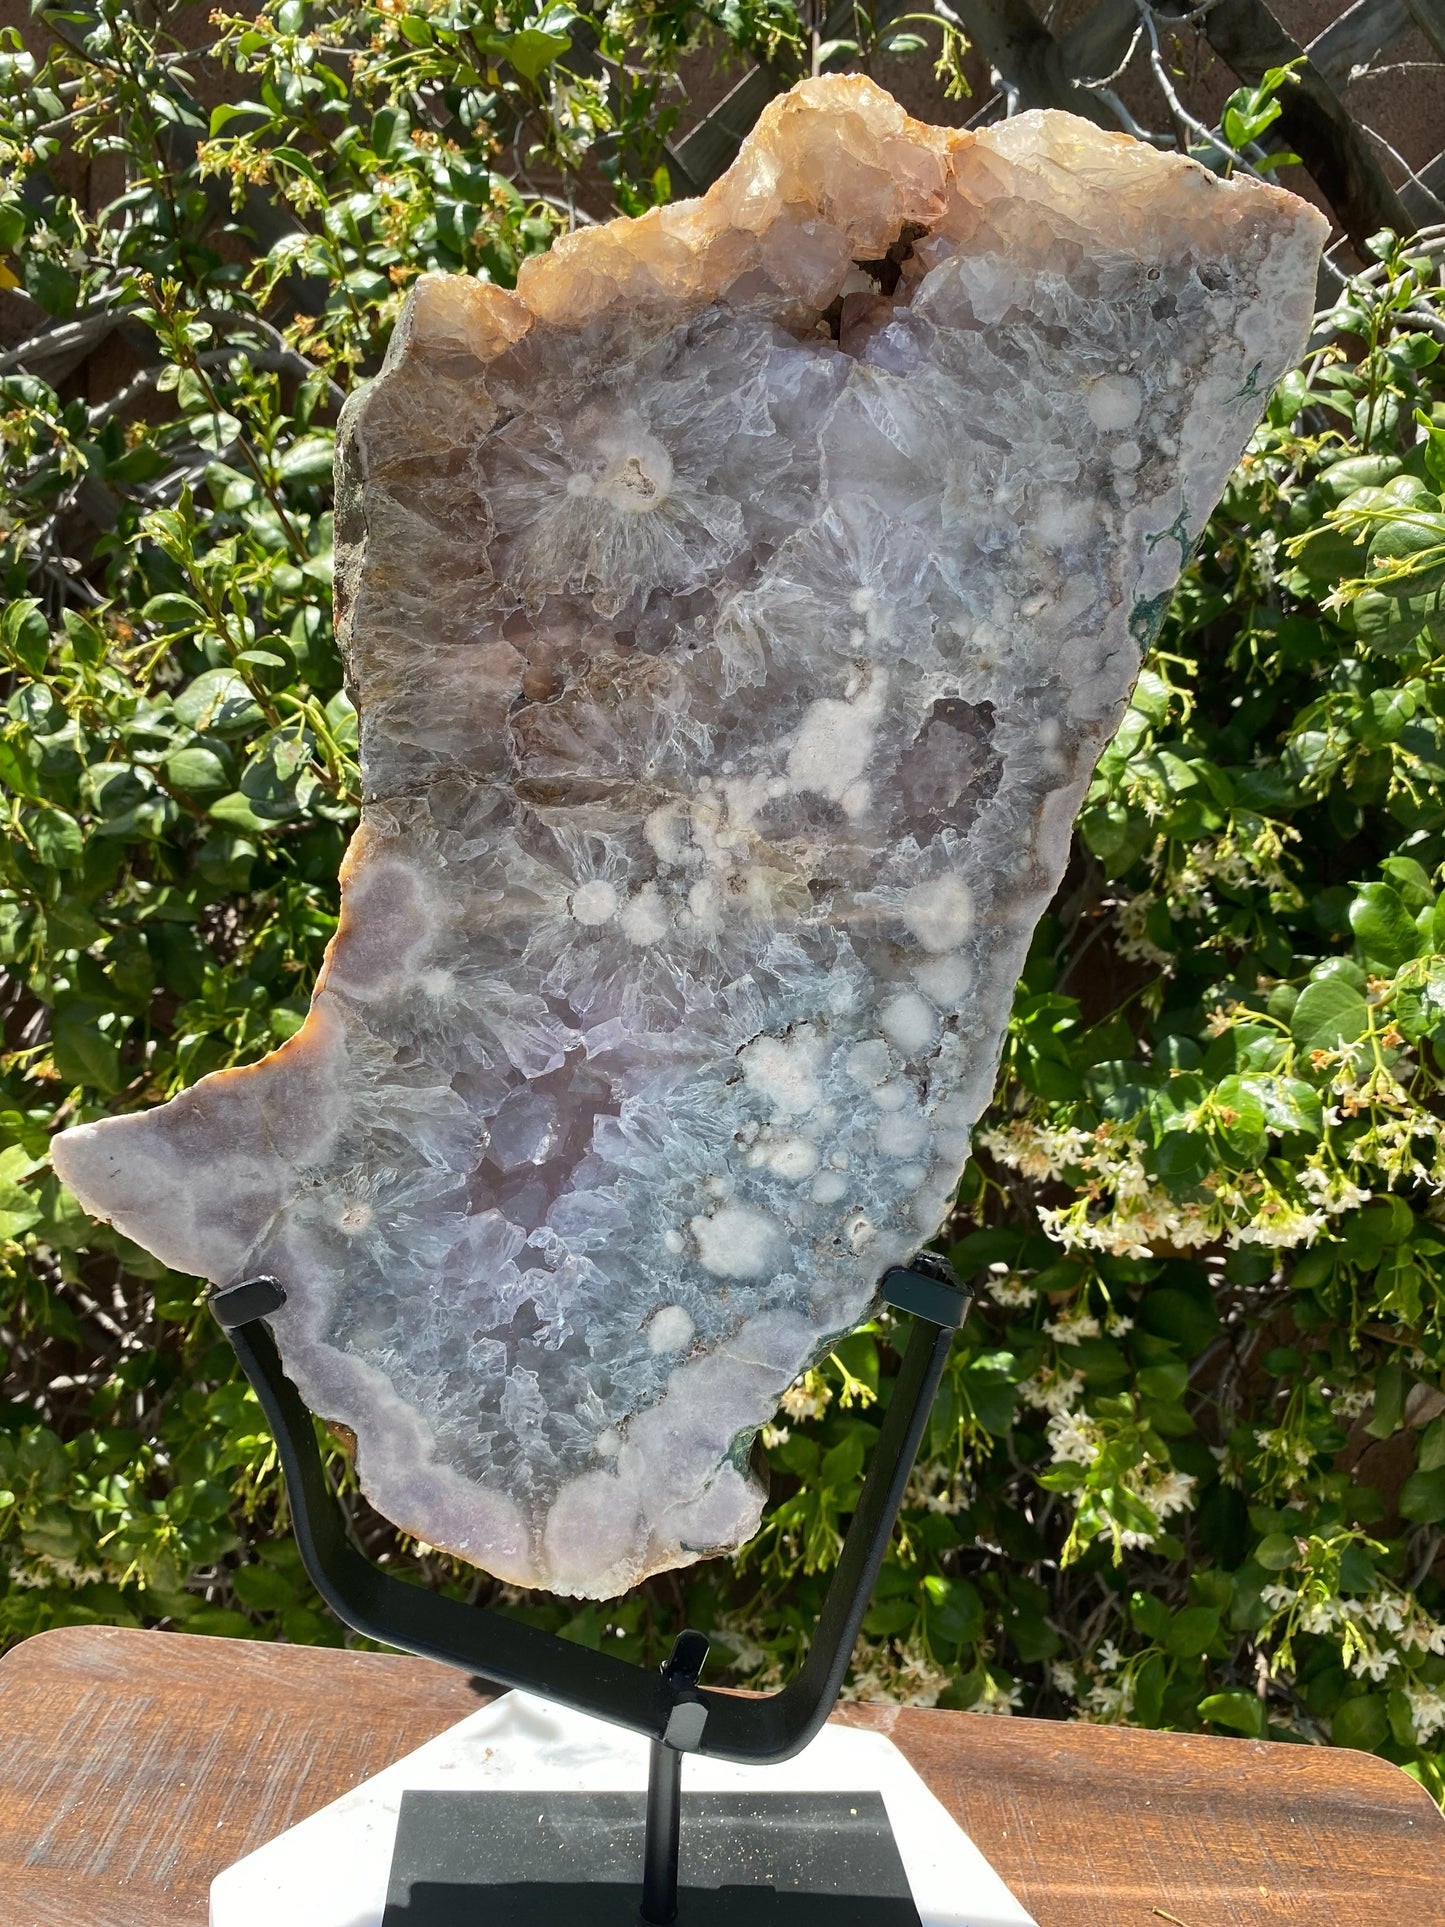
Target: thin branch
<point>282,361</point>
<point>1361,74</point>
<point>1398,158</point>
<point>1107,80</point>
<point>1185,124</point>
<point>1125,119</point>
<point>1350,43</point>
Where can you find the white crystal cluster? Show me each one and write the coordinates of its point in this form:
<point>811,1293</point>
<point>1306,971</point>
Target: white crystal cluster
<point>736,613</point>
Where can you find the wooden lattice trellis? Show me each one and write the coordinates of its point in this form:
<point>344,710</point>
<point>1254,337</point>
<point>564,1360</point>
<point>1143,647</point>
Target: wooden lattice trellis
<point>1359,176</point>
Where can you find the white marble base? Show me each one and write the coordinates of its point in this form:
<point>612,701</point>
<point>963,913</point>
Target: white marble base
<point>331,1870</point>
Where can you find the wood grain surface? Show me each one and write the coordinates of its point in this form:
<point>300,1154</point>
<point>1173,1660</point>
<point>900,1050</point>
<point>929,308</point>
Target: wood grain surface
<point>137,1765</point>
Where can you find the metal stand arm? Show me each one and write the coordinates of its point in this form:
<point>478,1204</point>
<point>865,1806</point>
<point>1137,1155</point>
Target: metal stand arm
<point>669,1707</point>
<point>664,1786</point>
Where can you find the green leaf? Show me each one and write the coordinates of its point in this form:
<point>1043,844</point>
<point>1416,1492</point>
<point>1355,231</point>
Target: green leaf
<point>1383,927</point>
<point>964,1691</point>
<point>57,839</point>
<point>236,811</point>
<point>1150,1615</point>
<point>17,767</point>
<point>1149,1684</point>
<point>1241,1712</point>
<point>1330,1012</point>
<point>20,1209</point>
<point>1422,1497</point>
<point>46,282</point>
<point>1411,879</point>
<point>228,111</point>
<point>229,488</point>
<point>285,1021</point>
<point>214,428</point>
<point>219,702</point>
<point>389,126</point>
<point>1389,1410</point>
<point>1432,1445</point>
<point>1402,1718</point>
<point>170,611</point>
<point>197,770</point>
<point>532,51</point>
<point>25,634</point>
<point>1413,351</point>
<point>1411,546</point>
<point>1240,1116</point>
<point>87,642</point>
<point>1389,624</point>
<point>1341,479</point>
<point>1191,1321</point>
<point>1330,554</point>
<point>1277,1552</point>
<point>1165,1384</point>
<point>308,460</point>
<point>1191,1631</point>
<point>844,1463</point>
<point>797,1454</point>
<point>262,1589</point>
<point>272,667</point>
<point>954,1610</point>
<point>887,1617</point>
<point>219,1622</point>
<point>1362,1722</point>
<point>991,1398</point>
<point>71,926</point>
<point>1289,1104</point>
<point>83,1053</point>
<point>299,163</point>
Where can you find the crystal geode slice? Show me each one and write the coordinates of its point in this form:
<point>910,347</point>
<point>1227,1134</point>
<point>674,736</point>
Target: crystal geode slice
<point>735,614</point>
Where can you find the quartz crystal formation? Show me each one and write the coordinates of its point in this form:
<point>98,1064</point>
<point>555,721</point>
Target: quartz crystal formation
<point>735,614</point>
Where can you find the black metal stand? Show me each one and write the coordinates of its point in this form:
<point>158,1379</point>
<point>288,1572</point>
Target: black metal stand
<point>676,1713</point>
<point>664,1789</point>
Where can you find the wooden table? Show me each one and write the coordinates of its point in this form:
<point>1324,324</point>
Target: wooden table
<point>137,1765</point>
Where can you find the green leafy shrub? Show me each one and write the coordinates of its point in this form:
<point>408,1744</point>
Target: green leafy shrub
<point>177,755</point>
<point>1188,1466</point>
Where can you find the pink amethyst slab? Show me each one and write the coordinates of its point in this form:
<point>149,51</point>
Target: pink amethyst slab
<point>735,614</point>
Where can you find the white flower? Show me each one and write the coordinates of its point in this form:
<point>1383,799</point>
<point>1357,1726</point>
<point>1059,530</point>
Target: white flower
<point>1107,1703</point>
<point>1034,1150</point>
<point>1072,1324</point>
<point>1011,1290</point>
<point>1280,1225</point>
<point>1073,1438</point>
<point>1174,1492</point>
<point>806,1397</point>
<point>1427,1709</point>
<point>996,1698</point>
<point>1052,1391</point>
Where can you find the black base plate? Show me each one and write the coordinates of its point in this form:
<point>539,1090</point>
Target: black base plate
<point>575,1859</point>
